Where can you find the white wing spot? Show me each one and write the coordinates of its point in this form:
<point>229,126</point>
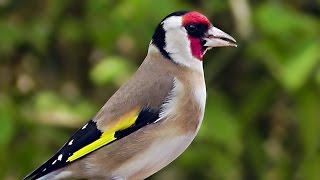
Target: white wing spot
<point>70,142</point>
<point>85,126</point>
<point>44,169</point>
<point>60,157</point>
<point>54,162</point>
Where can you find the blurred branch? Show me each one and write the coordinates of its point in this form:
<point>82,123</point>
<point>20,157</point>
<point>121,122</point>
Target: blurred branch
<point>242,14</point>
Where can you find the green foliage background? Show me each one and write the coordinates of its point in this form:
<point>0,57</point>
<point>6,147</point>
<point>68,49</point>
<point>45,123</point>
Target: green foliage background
<point>61,60</point>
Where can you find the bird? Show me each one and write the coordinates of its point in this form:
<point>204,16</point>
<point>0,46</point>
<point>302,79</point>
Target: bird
<point>150,120</point>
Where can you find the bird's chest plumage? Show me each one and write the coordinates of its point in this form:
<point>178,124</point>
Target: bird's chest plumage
<point>186,103</point>
<point>184,111</point>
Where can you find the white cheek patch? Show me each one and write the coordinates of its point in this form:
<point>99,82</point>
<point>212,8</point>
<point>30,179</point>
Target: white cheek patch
<point>172,22</point>
<point>178,43</point>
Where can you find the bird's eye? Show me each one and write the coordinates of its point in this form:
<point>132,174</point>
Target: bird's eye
<point>196,30</point>
<point>191,28</point>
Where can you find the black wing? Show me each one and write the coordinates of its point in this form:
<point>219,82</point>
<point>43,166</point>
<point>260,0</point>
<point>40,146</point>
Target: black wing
<point>84,136</point>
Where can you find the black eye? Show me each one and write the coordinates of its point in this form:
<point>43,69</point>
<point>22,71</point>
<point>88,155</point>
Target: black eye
<point>191,28</point>
<point>196,30</point>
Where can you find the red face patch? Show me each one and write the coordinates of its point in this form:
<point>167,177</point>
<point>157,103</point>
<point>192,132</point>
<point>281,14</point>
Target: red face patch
<point>195,42</point>
<point>194,18</point>
<point>196,48</point>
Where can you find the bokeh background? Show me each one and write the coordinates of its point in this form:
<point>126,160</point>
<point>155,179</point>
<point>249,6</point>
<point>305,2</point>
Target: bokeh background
<point>60,60</point>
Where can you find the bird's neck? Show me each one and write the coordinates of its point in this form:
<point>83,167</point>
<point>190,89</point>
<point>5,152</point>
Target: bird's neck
<point>183,60</point>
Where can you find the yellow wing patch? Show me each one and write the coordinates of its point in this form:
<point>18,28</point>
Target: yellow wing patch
<point>124,122</point>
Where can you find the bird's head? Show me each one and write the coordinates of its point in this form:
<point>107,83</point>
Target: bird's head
<point>185,36</point>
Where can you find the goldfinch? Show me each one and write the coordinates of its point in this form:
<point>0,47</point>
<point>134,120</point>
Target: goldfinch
<point>152,118</point>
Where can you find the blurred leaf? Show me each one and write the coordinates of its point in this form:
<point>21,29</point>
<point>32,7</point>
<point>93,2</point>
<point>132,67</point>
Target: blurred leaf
<point>256,101</point>
<point>115,70</point>
<point>107,23</point>
<point>317,78</point>
<point>10,35</point>
<point>73,30</point>
<point>308,118</point>
<point>219,124</point>
<point>290,59</point>
<point>303,62</point>
<point>309,168</point>
<point>7,120</point>
<point>50,108</point>
<point>284,25</point>
<point>38,34</point>
<point>308,114</point>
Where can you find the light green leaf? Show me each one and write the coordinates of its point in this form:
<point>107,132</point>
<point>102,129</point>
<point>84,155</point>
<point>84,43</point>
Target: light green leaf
<point>51,108</point>
<point>298,69</point>
<point>115,70</point>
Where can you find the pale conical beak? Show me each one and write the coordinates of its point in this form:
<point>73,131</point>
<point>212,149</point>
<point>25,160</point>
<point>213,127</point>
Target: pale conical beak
<point>217,38</point>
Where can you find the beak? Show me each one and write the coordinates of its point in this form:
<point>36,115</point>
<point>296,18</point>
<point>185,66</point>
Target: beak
<point>217,38</point>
